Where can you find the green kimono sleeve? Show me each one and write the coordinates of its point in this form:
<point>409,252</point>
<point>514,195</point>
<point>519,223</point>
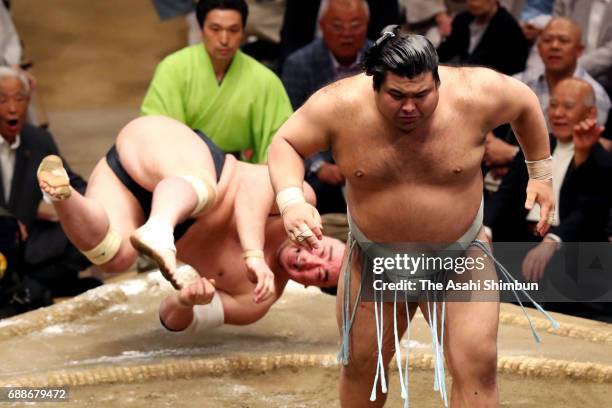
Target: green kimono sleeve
<point>165,93</point>
<point>270,113</point>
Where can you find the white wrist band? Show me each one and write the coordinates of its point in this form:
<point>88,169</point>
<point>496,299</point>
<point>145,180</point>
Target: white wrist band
<point>540,169</point>
<point>288,197</point>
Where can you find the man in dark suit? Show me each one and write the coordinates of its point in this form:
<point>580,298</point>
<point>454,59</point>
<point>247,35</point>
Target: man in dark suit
<point>49,257</point>
<point>300,20</point>
<point>487,35</point>
<point>581,172</point>
<point>337,55</point>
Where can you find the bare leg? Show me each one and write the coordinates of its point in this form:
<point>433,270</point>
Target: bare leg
<point>86,219</point>
<point>157,152</point>
<point>357,377</point>
<point>173,201</point>
<point>470,343</point>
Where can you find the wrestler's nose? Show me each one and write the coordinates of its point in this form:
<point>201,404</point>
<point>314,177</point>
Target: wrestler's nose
<point>311,260</point>
<point>409,106</point>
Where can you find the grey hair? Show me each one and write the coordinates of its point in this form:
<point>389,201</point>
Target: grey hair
<point>325,6</point>
<point>9,72</point>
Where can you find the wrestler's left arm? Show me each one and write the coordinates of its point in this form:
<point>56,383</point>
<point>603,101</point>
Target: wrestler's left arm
<point>254,203</point>
<point>508,100</point>
<point>252,206</point>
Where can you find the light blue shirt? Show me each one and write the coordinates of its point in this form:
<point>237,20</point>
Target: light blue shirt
<point>536,80</point>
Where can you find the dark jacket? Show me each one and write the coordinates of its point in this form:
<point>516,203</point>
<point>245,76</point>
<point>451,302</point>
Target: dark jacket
<point>309,69</point>
<point>36,143</point>
<point>584,200</point>
<point>502,47</point>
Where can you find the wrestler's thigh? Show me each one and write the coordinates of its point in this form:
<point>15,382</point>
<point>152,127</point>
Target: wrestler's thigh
<point>122,208</point>
<point>154,147</point>
<point>363,339</point>
<point>471,326</point>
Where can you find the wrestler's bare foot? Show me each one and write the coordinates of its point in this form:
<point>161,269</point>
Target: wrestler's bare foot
<point>53,178</point>
<point>158,243</point>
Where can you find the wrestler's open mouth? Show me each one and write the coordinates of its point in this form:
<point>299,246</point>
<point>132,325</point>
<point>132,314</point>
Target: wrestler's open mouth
<point>12,122</point>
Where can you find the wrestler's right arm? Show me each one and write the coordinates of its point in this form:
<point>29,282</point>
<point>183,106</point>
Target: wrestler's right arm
<point>305,133</point>
<point>176,310</point>
<point>177,313</point>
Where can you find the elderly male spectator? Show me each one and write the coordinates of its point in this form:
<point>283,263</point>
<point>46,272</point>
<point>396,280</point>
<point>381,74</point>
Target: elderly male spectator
<point>582,167</point>
<point>300,22</point>
<point>559,46</point>
<point>595,18</point>
<point>49,257</point>
<point>337,55</point>
<point>215,88</point>
<point>486,34</point>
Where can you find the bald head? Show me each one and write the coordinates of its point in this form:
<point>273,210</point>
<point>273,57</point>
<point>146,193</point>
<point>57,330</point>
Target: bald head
<point>566,25</point>
<point>344,24</point>
<point>571,101</point>
<point>560,46</point>
<point>579,88</point>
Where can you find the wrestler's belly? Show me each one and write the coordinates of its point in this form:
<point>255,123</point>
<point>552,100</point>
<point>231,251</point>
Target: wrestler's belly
<point>415,213</point>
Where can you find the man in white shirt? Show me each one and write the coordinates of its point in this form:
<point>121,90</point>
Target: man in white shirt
<point>49,257</point>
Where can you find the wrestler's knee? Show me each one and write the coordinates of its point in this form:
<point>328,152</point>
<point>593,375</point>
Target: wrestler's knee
<point>122,261</point>
<point>475,362</point>
<point>361,364</point>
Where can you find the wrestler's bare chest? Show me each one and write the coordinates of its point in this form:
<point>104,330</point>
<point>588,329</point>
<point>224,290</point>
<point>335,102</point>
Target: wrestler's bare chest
<point>405,186</point>
<point>448,152</point>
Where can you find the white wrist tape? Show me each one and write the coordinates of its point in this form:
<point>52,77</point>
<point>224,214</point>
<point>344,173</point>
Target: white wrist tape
<point>207,317</point>
<point>540,169</point>
<point>289,196</point>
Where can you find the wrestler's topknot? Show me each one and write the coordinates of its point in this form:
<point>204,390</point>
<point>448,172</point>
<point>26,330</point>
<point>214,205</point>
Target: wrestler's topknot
<point>403,54</point>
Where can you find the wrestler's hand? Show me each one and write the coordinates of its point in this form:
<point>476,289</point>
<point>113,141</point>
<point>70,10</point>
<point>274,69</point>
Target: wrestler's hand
<point>303,225</point>
<point>537,259</point>
<point>199,292</point>
<point>259,273</point>
<point>539,191</point>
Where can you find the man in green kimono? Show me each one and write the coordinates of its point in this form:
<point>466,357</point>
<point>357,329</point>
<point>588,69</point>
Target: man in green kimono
<point>215,88</point>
